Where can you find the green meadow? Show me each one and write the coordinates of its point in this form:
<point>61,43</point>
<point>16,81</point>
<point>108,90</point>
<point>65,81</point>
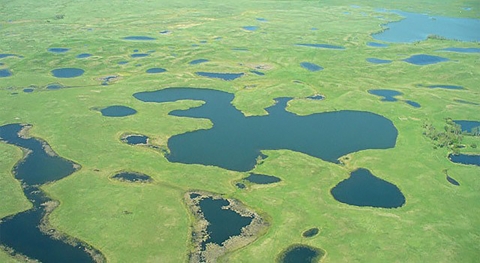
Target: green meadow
<point>439,222</point>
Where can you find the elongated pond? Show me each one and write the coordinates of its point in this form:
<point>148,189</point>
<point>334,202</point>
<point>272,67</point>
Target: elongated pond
<point>235,141</point>
<point>21,232</point>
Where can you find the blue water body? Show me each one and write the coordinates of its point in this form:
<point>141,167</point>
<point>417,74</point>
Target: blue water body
<point>316,97</point>
<point>235,141</point>
<point>67,72</point>
<point>378,61</point>
<point>314,29</point>
<point>84,55</point>
<point>142,38</point>
<point>165,32</point>
<point>58,50</point>
<point>8,55</point>
<point>452,181</point>
<point>240,186</point>
<point>261,19</point>
<point>117,111</point>
<point>250,28</point>
<point>133,177</point>
<point>375,44</point>
<point>467,126</point>
<point>413,103</point>
<point>417,27</point>
<point>462,49</point>
<point>311,232</point>
<point>136,139</point>
<point>135,50</point>
<point>5,73</point>
<point>28,90</point>
<point>466,102</point>
<point>262,179</point>
<point>301,254</point>
<point>362,188</point>
<point>139,55</point>
<point>423,59</point>
<point>223,223</point>
<point>387,94</point>
<point>256,72</point>
<point>465,159</point>
<point>156,70</point>
<point>310,66</point>
<point>198,61</point>
<point>55,86</point>
<point>21,232</point>
<point>223,76</point>
<point>123,62</point>
<point>106,80</point>
<point>454,87</point>
<point>327,46</point>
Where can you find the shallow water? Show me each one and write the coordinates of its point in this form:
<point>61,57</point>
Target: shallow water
<point>467,126</point>
<point>198,61</point>
<point>262,179</point>
<point>375,44</point>
<point>461,50</point>
<point>156,70</point>
<point>5,73</point>
<point>84,55</point>
<point>378,61</point>
<point>300,254</point>
<point>327,46</point>
<point>58,50</point>
<point>441,87</point>
<point>465,159</point>
<point>387,94</point>
<point>141,38</point>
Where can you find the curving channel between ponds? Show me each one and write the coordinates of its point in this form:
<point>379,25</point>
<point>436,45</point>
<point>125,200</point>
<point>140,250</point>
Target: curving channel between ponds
<point>25,232</point>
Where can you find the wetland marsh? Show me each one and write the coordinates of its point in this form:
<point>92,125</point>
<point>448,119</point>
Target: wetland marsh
<point>239,131</point>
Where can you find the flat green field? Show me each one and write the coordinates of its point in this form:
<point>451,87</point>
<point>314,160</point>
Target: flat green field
<point>439,222</point>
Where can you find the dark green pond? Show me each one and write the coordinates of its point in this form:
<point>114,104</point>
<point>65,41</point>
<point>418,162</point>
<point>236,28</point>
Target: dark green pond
<point>133,177</point>
<point>301,254</point>
<point>362,188</point>
<point>235,141</point>
<point>262,179</point>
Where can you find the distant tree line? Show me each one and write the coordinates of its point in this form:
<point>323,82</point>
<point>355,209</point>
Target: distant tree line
<point>451,136</point>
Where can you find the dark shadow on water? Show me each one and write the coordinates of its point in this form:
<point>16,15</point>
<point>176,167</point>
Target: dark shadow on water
<point>452,181</point>
<point>117,111</point>
<point>362,188</point>
<point>235,140</point>
<point>300,254</point>
<point>316,97</point>
<point>21,232</point>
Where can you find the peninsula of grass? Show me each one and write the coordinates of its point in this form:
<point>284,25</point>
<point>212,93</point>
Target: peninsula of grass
<point>150,222</point>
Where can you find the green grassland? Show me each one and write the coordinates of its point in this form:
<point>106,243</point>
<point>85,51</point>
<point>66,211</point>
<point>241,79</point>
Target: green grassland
<point>439,222</point>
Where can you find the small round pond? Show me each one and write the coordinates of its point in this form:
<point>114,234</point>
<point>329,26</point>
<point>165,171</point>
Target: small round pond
<point>135,139</point>
<point>364,189</point>
<point>311,232</point>
<point>301,254</point>
<point>67,72</point>
<point>117,111</point>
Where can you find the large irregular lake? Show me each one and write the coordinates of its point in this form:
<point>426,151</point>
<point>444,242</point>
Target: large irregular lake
<point>417,27</point>
<point>235,141</point>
